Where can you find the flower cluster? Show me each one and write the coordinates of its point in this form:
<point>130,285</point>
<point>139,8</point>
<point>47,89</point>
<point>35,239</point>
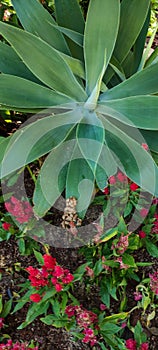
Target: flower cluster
<point>50,273</point>
<point>21,210</point>
<point>155,225</point>
<point>154,282</point>
<point>122,245</point>
<point>84,319</point>
<point>16,346</point>
<point>132,345</point>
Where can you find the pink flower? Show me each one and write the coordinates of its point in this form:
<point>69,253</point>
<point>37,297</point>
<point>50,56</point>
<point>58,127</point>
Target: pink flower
<point>122,265</point>
<point>133,187</point>
<point>145,146</point>
<point>6,226</point>
<point>144,212</point>
<point>89,337</point>
<point>154,282</point>
<point>21,210</point>
<point>102,307</point>
<point>1,322</point>
<point>142,234</point>
<point>144,346</point>
<point>35,298</point>
<point>89,271</point>
<point>137,296</point>
<point>112,180</point>
<point>122,244</point>
<point>121,177</point>
<point>49,261</point>
<point>131,344</point>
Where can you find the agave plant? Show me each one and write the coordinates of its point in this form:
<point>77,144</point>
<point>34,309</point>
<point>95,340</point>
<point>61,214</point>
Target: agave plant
<point>96,91</point>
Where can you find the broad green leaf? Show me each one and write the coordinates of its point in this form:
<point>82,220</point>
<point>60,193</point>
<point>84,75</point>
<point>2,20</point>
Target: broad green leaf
<point>38,257</point>
<point>69,15</point>
<point>10,63</point>
<point>90,138</point>
<point>23,143</point>
<point>73,35</point>
<point>21,93</point>
<point>141,83</point>
<point>138,111</point>
<point>47,187</point>
<point>36,20</point>
<point>151,138</point>
<point>110,328</point>
<point>4,144</point>
<point>80,181</point>
<point>75,65</point>
<point>51,68</point>
<point>100,35</point>
<point>6,308</point>
<point>136,12</point>
<point>132,158</point>
<point>138,47</point>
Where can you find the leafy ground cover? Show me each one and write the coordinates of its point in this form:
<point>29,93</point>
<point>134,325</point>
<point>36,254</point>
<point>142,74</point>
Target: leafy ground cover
<point>67,298</point>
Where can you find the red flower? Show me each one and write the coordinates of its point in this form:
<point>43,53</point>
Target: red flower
<point>68,278</point>
<point>133,187</point>
<point>106,190</point>
<point>112,180</point>
<point>144,346</point>
<point>131,344</point>
<point>154,282</point>
<point>143,212</point>
<point>35,298</point>
<point>38,277</point>
<point>142,234</point>
<point>6,226</point>
<point>49,261</point>
<point>58,287</point>
<point>58,271</point>
<point>70,310</point>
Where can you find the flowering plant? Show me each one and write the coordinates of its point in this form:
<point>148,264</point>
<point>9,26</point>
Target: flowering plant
<point>91,106</point>
<point>48,286</point>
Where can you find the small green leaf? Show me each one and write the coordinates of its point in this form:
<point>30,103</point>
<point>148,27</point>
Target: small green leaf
<point>151,248</point>
<point>38,257</point>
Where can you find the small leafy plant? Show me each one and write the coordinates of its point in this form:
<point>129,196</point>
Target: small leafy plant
<point>99,90</point>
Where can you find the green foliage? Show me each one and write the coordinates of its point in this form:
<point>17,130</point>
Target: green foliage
<point>72,70</point>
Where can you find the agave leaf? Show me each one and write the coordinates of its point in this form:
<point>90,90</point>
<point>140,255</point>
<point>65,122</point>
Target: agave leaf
<point>3,145</point>
<point>138,111</point>
<point>141,83</point>
<point>71,34</point>
<point>79,181</point>
<point>153,58</point>
<point>51,68</point>
<point>106,167</point>
<point>151,138</point>
<point>36,20</point>
<point>138,48</point>
<point>132,158</point>
<point>90,138</point>
<point>47,187</point>
<point>21,93</point>
<point>147,50</point>
<point>31,142</point>
<point>69,15</point>
<point>136,12</point>
<point>75,65</point>
<point>100,35</point>
<point>10,63</point>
